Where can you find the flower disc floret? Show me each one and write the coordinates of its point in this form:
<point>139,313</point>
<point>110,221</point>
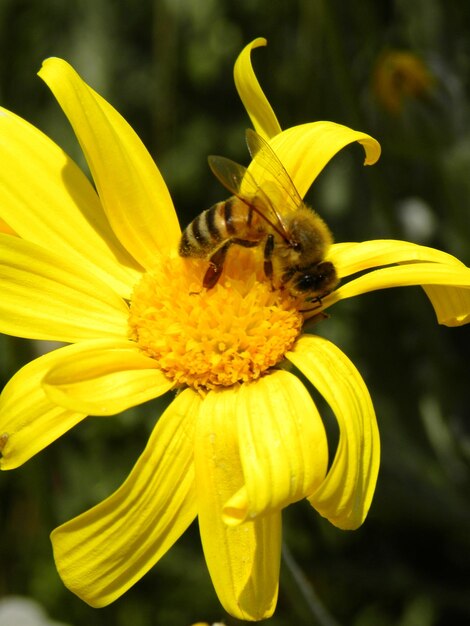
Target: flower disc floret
<point>213,338</point>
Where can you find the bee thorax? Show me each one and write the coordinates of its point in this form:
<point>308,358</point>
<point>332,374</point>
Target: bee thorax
<point>309,239</point>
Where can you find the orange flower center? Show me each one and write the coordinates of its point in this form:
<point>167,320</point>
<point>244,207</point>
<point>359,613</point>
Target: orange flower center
<point>203,338</point>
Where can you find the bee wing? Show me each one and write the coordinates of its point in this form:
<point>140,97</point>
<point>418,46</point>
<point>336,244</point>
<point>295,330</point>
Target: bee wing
<point>231,175</point>
<point>239,181</point>
<point>269,161</point>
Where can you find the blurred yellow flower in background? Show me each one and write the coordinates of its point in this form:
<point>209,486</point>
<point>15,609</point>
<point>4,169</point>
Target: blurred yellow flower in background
<point>399,76</point>
<point>242,439</point>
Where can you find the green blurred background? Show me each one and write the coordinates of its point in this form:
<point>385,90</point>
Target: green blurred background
<point>167,67</point>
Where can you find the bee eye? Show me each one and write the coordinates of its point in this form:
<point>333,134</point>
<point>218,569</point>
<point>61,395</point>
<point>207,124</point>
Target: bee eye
<point>310,282</point>
<point>316,278</point>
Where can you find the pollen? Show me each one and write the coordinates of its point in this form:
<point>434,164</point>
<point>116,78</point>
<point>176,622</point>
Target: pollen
<point>207,339</point>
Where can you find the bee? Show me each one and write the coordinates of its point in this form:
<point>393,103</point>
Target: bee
<point>263,211</point>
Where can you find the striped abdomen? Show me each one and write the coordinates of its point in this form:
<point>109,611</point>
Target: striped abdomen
<point>222,222</point>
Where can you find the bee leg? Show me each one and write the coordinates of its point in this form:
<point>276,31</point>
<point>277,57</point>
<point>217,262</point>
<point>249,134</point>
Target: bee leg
<point>216,265</point>
<point>317,300</point>
<point>268,255</point>
<point>217,260</point>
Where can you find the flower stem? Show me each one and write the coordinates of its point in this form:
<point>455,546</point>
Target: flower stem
<point>315,605</point>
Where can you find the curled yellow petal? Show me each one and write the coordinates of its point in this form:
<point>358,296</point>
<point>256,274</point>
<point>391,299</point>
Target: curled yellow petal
<point>132,190</point>
<point>104,551</point>
<point>451,304</point>
<point>305,150</point>
<point>283,447</point>
<point>29,421</point>
<point>350,258</point>
<point>447,285</point>
<point>104,377</point>
<point>345,495</point>
<point>243,560</point>
<point>448,289</point>
<point>255,102</point>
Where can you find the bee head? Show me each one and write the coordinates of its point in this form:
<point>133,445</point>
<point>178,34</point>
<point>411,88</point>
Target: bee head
<point>317,279</point>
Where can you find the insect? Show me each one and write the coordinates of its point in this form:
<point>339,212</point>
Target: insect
<point>268,211</point>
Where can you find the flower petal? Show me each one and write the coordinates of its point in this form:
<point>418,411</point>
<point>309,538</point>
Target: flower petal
<point>243,560</point>
<point>104,551</point>
<point>346,493</point>
<point>46,296</point>
<point>305,150</point>
<point>255,102</point>
<point>283,446</point>
<point>349,258</point>
<point>29,421</point>
<point>4,228</point>
<point>447,286</point>
<point>46,199</point>
<point>451,303</point>
<point>104,377</point>
<point>131,188</point>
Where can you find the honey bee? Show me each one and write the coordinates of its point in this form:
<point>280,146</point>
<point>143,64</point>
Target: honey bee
<point>268,211</point>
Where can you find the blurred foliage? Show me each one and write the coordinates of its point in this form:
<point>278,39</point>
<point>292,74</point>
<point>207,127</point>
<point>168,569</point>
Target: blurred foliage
<point>167,66</point>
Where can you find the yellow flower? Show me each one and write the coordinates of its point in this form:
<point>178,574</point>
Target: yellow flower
<point>4,228</point>
<point>242,438</point>
<point>399,76</point>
